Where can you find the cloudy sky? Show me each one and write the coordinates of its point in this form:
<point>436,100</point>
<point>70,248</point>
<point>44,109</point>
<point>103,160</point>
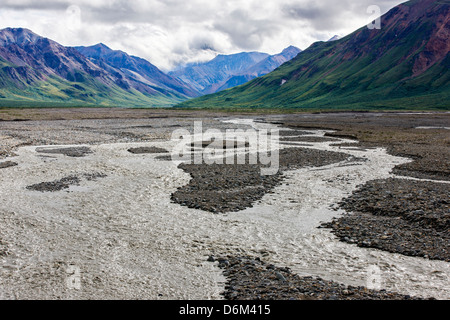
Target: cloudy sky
<point>172,32</point>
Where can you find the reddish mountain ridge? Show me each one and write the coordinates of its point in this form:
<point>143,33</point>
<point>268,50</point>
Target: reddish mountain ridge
<point>403,65</point>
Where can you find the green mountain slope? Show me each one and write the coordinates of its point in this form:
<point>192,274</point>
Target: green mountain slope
<point>404,65</point>
<point>55,91</point>
<point>36,71</point>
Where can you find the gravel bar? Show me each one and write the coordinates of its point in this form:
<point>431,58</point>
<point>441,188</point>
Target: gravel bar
<point>65,183</point>
<point>75,152</point>
<point>7,164</point>
<point>250,278</point>
<point>147,150</point>
<point>222,188</point>
<point>398,215</point>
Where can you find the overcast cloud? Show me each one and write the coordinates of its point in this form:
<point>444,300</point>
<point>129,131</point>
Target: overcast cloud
<point>173,32</point>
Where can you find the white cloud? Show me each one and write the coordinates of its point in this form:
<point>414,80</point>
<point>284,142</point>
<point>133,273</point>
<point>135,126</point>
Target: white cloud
<point>171,32</point>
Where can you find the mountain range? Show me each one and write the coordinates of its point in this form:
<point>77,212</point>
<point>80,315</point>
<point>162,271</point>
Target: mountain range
<point>403,65</point>
<point>37,71</point>
<point>139,73</point>
<point>227,71</point>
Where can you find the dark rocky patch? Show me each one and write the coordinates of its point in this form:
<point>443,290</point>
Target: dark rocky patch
<point>142,127</point>
<point>398,215</point>
<point>221,144</point>
<point>65,183</point>
<point>340,136</point>
<point>411,170</point>
<point>221,188</point>
<point>7,164</point>
<point>164,158</point>
<point>290,133</point>
<point>147,150</point>
<point>296,158</point>
<point>430,160</point>
<point>4,250</point>
<point>308,139</point>
<point>74,152</point>
<point>56,185</point>
<point>429,148</point>
<point>249,278</point>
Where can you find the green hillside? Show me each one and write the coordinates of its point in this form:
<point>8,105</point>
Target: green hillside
<point>402,66</point>
<point>56,91</point>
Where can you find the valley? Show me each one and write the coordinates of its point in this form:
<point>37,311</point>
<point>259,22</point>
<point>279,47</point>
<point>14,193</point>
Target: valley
<point>95,191</point>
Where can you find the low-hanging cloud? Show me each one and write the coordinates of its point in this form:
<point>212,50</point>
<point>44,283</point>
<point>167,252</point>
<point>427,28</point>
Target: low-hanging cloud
<point>173,32</point>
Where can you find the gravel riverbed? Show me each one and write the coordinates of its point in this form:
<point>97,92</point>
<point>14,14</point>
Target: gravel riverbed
<point>398,215</point>
<point>103,197</point>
